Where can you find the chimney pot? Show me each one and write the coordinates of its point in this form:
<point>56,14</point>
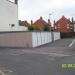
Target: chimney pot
<point>31,22</point>
<point>49,21</point>
<point>41,17</point>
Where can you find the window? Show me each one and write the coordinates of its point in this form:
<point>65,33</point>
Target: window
<point>74,26</point>
<point>12,25</point>
<point>71,26</point>
<point>58,26</point>
<point>67,26</point>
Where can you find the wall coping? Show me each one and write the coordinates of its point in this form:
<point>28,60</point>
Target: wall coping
<point>22,31</point>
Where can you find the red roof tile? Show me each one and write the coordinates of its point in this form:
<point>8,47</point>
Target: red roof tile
<point>40,22</point>
<point>63,19</point>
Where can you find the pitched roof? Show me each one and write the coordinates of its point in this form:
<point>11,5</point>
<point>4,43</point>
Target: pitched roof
<point>24,23</point>
<point>63,18</point>
<point>40,22</point>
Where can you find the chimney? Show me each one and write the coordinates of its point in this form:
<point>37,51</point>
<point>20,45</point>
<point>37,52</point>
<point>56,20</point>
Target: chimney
<point>31,22</point>
<point>63,16</point>
<point>41,18</point>
<point>16,1</point>
<point>72,19</point>
<point>54,25</point>
<point>49,22</point>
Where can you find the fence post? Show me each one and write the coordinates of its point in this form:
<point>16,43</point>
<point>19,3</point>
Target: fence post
<point>52,36</point>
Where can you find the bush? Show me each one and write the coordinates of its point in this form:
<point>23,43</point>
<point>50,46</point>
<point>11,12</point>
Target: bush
<point>31,28</point>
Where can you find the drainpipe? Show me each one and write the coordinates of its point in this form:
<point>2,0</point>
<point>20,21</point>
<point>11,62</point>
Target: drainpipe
<point>52,36</point>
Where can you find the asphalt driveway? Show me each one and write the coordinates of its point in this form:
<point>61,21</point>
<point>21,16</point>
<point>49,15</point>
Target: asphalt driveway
<point>44,60</point>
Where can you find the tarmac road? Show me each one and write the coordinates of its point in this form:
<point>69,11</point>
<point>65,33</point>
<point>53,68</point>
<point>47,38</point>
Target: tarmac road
<point>44,60</point>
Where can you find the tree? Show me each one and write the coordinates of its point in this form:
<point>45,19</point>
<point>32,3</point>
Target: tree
<point>46,28</point>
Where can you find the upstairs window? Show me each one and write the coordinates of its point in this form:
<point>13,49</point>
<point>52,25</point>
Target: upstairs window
<point>74,26</point>
<point>58,26</point>
<point>67,26</point>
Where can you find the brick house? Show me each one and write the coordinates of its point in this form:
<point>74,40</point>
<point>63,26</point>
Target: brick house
<point>40,24</point>
<point>24,23</point>
<point>64,25</point>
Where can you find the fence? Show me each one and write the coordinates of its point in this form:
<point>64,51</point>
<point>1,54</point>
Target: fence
<point>40,38</point>
<point>27,39</point>
<point>67,34</point>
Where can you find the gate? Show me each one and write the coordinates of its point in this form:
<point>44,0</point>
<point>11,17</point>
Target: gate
<point>67,34</point>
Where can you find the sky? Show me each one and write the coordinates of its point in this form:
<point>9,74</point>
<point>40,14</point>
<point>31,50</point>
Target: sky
<point>53,9</point>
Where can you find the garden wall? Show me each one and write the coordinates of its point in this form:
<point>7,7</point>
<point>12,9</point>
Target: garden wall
<point>27,39</point>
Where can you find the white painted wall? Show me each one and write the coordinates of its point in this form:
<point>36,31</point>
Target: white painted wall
<point>34,39</point>
<point>56,35</point>
<point>8,16</point>
<point>26,39</point>
<point>40,38</point>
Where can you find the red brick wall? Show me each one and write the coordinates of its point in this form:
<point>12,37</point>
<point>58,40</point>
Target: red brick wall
<point>63,26</point>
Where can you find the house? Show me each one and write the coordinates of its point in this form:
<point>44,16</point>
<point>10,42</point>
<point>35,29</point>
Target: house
<point>74,26</point>
<point>41,23</point>
<point>24,23</point>
<point>9,16</point>
<point>73,23</point>
<point>64,25</point>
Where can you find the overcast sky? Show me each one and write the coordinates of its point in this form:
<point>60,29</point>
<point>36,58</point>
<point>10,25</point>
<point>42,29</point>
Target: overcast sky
<point>33,9</point>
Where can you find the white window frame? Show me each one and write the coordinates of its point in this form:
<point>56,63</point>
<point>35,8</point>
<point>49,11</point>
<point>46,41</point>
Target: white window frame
<point>68,26</point>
